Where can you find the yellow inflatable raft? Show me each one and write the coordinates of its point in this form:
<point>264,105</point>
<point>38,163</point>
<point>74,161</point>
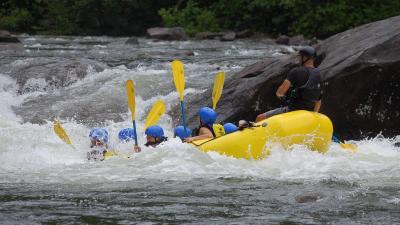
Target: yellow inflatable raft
<point>298,127</point>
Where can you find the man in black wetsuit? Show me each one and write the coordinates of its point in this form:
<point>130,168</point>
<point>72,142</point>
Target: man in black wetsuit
<point>302,88</point>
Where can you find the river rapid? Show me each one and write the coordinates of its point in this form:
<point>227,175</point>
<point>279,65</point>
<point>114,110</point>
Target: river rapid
<point>45,181</point>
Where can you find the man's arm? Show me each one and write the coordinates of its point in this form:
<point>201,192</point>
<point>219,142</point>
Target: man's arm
<point>317,106</point>
<point>204,133</point>
<point>283,88</point>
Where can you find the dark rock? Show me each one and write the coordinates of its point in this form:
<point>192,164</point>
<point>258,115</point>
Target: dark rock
<point>282,40</point>
<point>244,34</point>
<point>188,53</point>
<point>307,198</point>
<point>228,36</point>
<point>299,40</point>
<point>132,41</point>
<point>163,33</point>
<point>209,35</point>
<point>397,144</point>
<point>360,68</point>
<point>5,36</point>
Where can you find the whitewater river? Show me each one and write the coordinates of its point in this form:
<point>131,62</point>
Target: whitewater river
<point>44,181</point>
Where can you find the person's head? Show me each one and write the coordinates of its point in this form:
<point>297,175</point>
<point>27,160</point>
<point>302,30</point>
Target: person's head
<point>179,131</point>
<point>126,134</point>
<point>98,137</point>
<point>207,116</point>
<point>154,135</point>
<point>307,55</point>
<point>230,127</point>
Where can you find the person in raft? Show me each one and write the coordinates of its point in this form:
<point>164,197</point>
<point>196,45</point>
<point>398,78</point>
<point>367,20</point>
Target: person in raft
<point>99,144</point>
<point>127,135</point>
<point>207,128</point>
<point>230,128</point>
<point>154,136</point>
<point>180,132</point>
<point>302,88</point>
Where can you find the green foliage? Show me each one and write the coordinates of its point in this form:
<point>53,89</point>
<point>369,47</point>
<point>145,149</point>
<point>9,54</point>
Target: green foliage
<point>81,17</point>
<point>308,17</point>
<point>192,18</point>
<point>18,19</point>
<point>320,18</point>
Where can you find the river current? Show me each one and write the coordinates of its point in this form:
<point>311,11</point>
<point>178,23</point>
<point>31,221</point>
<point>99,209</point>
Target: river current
<point>45,181</point>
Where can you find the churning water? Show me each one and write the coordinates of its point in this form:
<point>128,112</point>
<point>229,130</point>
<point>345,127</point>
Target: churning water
<point>44,181</point>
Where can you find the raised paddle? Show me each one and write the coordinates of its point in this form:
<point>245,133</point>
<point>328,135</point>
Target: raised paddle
<point>155,114</point>
<point>217,89</point>
<point>130,92</point>
<point>179,80</point>
<point>348,146</point>
<point>59,130</point>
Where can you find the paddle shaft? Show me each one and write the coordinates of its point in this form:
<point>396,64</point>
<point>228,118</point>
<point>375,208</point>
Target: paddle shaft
<point>134,131</point>
<point>183,116</point>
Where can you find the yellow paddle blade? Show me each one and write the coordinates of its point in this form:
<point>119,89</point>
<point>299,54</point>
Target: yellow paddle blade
<point>218,86</point>
<point>349,146</point>
<point>179,77</point>
<point>61,132</point>
<point>155,114</point>
<point>130,92</point>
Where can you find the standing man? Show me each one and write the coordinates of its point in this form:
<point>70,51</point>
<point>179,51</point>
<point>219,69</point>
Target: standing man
<point>302,88</point>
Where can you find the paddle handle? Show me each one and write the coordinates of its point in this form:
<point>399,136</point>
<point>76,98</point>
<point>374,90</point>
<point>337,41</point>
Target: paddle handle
<point>183,116</point>
<point>134,131</point>
<point>335,139</point>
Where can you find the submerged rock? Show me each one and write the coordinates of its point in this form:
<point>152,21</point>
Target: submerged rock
<point>132,41</point>
<point>360,68</point>
<point>307,198</point>
<point>228,36</point>
<point>43,73</point>
<point>164,33</point>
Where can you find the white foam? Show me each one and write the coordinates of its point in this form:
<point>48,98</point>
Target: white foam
<point>33,153</point>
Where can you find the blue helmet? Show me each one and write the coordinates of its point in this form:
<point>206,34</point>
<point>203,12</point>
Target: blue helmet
<point>100,134</point>
<point>230,127</point>
<point>179,131</point>
<point>126,134</point>
<point>155,131</point>
<point>207,115</point>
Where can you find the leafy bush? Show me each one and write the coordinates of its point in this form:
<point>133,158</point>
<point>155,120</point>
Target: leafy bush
<point>192,18</point>
<point>19,19</point>
<point>308,17</point>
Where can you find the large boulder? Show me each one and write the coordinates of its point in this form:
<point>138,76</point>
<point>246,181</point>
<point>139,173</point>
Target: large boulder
<point>282,40</point>
<point>360,68</point>
<point>164,33</point>
<point>5,36</point>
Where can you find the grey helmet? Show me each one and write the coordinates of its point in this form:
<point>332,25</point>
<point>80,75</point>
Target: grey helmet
<point>308,51</point>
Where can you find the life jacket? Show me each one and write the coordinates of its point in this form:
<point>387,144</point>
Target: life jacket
<point>304,97</point>
<point>312,89</point>
<point>217,130</point>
